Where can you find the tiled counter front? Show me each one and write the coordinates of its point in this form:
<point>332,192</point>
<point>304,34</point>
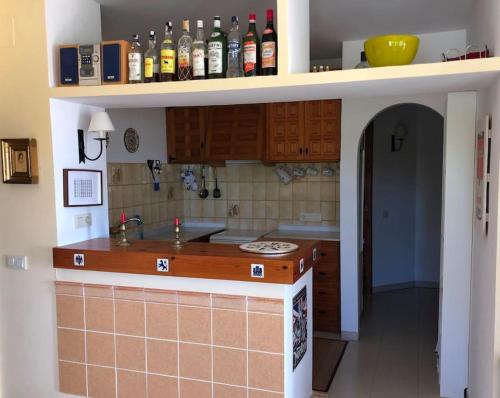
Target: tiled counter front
<point>134,343</point>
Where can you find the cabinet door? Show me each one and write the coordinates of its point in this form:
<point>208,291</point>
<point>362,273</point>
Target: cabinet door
<point>235,132</point>
<point>322,121</point>
<point>185,134</point>
<point>285,131</point>
<point>326,289</point>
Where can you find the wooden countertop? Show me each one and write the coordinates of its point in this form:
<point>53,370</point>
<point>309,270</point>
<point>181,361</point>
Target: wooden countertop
<point>193,260</point>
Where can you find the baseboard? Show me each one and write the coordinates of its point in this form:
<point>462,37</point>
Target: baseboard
<point>405,285</point>
<point>349,336</point>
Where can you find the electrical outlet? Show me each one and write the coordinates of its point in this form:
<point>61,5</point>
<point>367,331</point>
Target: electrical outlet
<point>16,262</point>
<point>310,217</point>
<point>83,220</point>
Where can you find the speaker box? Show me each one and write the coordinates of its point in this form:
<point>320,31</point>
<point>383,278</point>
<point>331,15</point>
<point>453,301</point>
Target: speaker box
<point>68,65</point>
<point>115,61</point>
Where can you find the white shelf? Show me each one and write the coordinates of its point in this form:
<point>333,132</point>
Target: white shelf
<point>400,80</point>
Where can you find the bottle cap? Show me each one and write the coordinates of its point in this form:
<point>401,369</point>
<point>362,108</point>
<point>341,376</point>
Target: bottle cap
<point>251,17</point>
<point>216,22</point>
<point>199,23</point>
<point>270,14</point>
<point>185,25</point>
<point>168,24</point>
<point>152,34</point>
<point>135,37</point>
<point>234,19</point>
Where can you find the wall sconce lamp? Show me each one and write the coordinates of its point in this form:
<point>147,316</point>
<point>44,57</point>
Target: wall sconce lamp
<point>398,138</point>
<point>100,124</point>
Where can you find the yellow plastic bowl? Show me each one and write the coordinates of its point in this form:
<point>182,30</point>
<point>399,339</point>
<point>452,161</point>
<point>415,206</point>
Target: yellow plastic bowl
<point>391,50</point>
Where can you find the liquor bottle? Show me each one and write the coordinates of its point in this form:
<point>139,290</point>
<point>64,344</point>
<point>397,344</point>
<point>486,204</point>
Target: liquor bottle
<point>184,56</point>
<point>167,54</point>
<point>151,61</point>
<point>135,64</point>
<point>199,52</point>
<point>234,55</point>
<point>269,48</point>
<point>217,48</point>
<point>251,49</point>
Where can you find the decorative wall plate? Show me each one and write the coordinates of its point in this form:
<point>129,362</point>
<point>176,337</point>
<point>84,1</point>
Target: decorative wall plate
<point>269,247</point>
<point>131,140</point>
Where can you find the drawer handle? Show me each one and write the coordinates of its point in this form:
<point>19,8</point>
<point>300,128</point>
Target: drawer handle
<point>322,311</point>
<point>323,254</point>
<point>322,273</point>
<point>321,292</point>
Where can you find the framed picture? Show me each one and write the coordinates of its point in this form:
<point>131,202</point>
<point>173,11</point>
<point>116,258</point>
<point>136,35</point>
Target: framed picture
<point>19,161</point>
<point>299,326</point>
<point>82,187</point>
<point>482,185</point>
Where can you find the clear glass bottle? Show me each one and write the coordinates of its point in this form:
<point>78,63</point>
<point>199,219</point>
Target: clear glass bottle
<point>184,55</point>
<point>217,52</point>
<point>364,63</point>
<point>199,53</point>
<point>269,47</point>
<point>251,49</point>
<point>135,63</point>
<point>167,54</point>
<point>151,61</point>
<point>234,54</point>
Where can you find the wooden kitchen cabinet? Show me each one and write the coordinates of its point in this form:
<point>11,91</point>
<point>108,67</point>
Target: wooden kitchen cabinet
<point>304,131</point>
<point>235,132</point>
<point>326,289</point>
<point>186,130</point>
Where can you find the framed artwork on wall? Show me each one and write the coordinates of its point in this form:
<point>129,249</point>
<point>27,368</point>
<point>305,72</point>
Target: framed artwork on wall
<point>19,161</point>
<point>82,187</point>
<point>482,183</point>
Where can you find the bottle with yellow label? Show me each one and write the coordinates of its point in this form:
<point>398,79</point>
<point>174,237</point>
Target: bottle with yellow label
<point>151,61</point>
<point>167,55</point>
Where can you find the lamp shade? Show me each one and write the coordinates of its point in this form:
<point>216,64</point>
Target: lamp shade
<point>100,122</point>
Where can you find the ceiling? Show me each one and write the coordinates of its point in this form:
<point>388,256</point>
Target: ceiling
<point>332,21</point>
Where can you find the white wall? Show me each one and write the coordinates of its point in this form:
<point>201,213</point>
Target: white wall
<point>356,114</point>
<point>432,45</point>
<point>456,248</point>
<point>428,195</point>
<point>66,119</point>
<point>393,216</point>
<point>151,127</point>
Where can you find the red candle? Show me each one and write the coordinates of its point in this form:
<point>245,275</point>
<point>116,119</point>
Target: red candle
<point>177,221</point>
<point>122,218</point>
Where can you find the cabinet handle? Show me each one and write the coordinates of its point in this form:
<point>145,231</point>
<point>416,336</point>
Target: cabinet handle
<point>322,311</point>
<point>307,151</point>
<point>171,158</point>
<point>322,273</point>
<point>300,151</point>
<point>322,292</point>
<point>202,144</point>
<point>323,254</point>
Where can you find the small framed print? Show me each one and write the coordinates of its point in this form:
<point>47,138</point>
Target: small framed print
<point>82,187</point>
<point>19,161</point>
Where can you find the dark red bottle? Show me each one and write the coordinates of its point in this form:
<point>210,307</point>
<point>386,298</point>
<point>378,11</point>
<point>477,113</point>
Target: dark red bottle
<point>269,47</point>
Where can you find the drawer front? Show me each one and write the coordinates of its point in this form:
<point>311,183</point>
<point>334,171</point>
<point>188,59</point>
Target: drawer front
<point>326,320</point>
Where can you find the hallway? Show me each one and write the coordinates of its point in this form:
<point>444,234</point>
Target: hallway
<point>394,357</point>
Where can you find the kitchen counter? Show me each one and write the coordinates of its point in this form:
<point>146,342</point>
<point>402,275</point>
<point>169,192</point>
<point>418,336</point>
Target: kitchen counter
<point>309,233</point>
<point>189,232</point>
<point>192,260</point>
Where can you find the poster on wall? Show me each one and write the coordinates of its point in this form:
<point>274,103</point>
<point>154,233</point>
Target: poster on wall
<point>482,185</point>
<point>299,326</point>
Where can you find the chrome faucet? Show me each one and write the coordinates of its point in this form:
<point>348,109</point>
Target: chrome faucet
<point>123,229</point>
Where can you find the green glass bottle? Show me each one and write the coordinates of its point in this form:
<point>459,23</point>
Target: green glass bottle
<point>217,52</point>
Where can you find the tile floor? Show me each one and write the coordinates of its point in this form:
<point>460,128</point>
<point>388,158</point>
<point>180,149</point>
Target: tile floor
<point>394,357</point>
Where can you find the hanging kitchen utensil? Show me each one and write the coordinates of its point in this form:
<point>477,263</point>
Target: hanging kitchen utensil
<point>217,193</point>
<point>204,191</point>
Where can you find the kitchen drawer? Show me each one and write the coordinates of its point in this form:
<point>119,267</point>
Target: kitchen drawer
<point>326,273</point>
<point>326,299</point>
<point>325,320</point>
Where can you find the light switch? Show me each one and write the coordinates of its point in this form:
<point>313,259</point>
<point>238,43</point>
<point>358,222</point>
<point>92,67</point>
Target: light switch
<point>16,262</point>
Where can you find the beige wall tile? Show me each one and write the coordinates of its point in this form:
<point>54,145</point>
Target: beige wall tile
<point>298,208</point>
<point>299,190</point>
<point>99,314</point>
<point>246,191</point>
<point>246,223</point>
<point>129,317</point>
<point>162,357</point>
<point>258,173</point>
<point>101,382</point>
<point>265,332</point>
<point>103,291</point>
<point>286,192</point>
<point>246,209</point>
<point>233,223</point>
<point>232,173</point>
<point>162,387</point>
<point>100,349</point>
<point>259,224</point>
<point>161,321</point>
<point>72,378</point>
<point>328,211</point>
<point>233,191</point>
<point>229,302</point>
<point>272,191</point>
<point>195,208</point>
<point>194,324</point>
<point>271,174</point>
<point>327,192</point>
<point>265,305</point>
<point>286,210</point>
<point>230,366</point>
<point>128,195</point>
<point>313,206</point>
<point>223,391</point>
<point>273,210</point>
<point>70,311</point>
<point>221,208</point>
<point>75,289</point>
<point>195,389</point>
<point>208,208</point>
<point>131,384</point>
<point>265,371</point>
<point>229,328</point>
<point>259,209</point>
<point>160,296</point>
<point>246,172</point>
<point>194,299</point>
<point>313,190</point>
<point>71,345</point>
<point>195,361</point>
<point>130,353</point>
<point>272,224</point>
<point>259,191</point>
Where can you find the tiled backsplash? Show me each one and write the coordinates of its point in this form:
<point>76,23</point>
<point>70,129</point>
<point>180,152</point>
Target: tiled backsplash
<point>133,342</point>
<point>263,201</point>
